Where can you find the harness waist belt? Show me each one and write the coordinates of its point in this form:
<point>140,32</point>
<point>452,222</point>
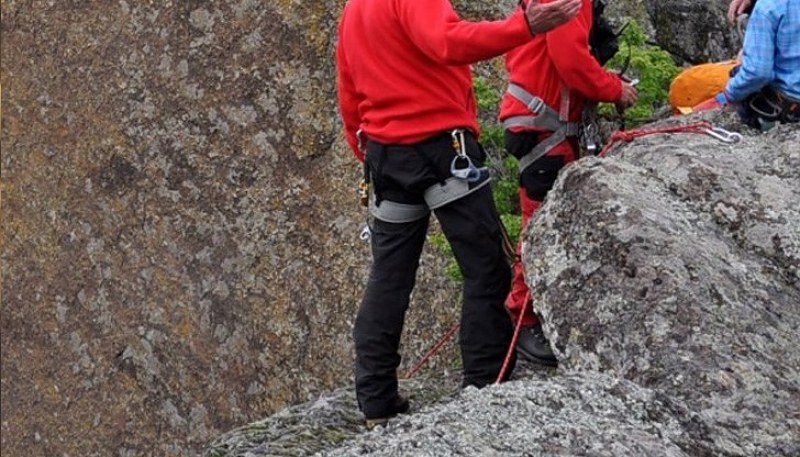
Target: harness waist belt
<point>435,196</point>
<point>397,213</point>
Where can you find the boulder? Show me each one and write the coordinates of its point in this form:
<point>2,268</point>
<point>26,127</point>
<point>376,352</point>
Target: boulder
<point>675,264</point>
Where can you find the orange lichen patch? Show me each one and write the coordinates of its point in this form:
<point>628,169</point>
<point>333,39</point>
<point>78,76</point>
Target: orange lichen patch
<point>185,329</point>
<point>49,391</point>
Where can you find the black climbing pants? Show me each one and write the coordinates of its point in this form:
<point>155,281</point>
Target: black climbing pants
<point>471,225</point>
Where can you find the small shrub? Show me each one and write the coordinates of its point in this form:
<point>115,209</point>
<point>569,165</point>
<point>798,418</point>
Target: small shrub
<point>654,67</point>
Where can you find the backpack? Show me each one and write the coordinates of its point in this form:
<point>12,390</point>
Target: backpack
<point>603,40</point>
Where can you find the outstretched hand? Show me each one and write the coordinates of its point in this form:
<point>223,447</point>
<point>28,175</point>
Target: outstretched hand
<point>628,98</point>
<point>736,8</point>
<point>542,18</point>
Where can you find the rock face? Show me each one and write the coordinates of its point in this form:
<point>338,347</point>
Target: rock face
<point>668,275</point>
<point>693,31</point>
<point>180,228</point>
<point>681,273</point>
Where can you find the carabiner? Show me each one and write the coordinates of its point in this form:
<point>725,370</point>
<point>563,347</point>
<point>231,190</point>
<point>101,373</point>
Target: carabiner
<point>470,172</point>
<point>724,135</point>
<point>458,142</point>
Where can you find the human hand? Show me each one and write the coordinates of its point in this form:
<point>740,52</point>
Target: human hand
<point>736,8</point>
<point>542,18</point>
<point>628,97</point>
<point>717,101</point>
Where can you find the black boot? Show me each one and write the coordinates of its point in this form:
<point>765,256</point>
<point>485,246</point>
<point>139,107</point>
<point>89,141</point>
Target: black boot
<point>399,406</point>
<point>533,346</point>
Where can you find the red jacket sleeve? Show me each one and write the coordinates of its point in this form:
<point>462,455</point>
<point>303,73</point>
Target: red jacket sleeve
<point>438,31</point>
<point>349,99</point>
<point>568,47</point>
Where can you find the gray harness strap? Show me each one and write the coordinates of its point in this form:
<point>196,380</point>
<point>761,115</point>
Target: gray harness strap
<point>546,119</point>
<point>394,212</point>
<point>453,188</point>
<point>435,196</point>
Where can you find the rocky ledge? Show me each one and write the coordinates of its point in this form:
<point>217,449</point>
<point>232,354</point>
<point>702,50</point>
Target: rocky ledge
<point>668,274</point>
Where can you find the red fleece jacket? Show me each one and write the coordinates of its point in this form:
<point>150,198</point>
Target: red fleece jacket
<point>556,59</point>
<point>403,67</point>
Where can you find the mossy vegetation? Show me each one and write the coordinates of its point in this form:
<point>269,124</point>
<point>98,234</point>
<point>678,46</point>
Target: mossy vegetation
<point>653,66</point>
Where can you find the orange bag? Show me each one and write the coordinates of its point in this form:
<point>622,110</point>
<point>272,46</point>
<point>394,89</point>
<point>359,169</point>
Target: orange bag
<point>699,83</point>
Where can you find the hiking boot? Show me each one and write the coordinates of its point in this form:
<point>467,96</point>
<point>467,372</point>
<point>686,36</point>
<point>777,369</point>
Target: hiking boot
<point>399,406</point>
<point>533,346</point>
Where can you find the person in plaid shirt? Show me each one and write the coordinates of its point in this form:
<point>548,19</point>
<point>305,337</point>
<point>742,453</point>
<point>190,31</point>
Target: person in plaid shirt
<point>766,86</point>
<point>771,51</point>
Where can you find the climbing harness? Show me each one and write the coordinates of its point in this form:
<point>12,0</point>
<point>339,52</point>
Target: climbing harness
<point>546,118</point>
<point>698,127</point>
<point>466,178</point>
<point>769,106</point>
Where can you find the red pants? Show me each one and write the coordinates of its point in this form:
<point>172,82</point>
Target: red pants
<point>515,302</point>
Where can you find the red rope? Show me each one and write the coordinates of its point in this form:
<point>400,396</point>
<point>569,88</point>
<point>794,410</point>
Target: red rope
<point>433,350</point>
<point>630,135</point>
<point>513,346</point>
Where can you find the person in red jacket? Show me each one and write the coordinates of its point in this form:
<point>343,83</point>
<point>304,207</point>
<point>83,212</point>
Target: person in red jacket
<point>409,111</point>
<point>551,79</point>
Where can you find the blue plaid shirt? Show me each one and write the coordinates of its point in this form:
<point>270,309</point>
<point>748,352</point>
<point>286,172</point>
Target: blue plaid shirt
<point>771,51</point>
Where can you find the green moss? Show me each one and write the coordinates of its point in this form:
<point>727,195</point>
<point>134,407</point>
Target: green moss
<point>653,66</point>
<point>452,269</point>
<point>488,96</point>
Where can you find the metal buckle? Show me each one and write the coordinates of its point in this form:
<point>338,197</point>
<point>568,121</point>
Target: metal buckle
<point>536,105</point>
